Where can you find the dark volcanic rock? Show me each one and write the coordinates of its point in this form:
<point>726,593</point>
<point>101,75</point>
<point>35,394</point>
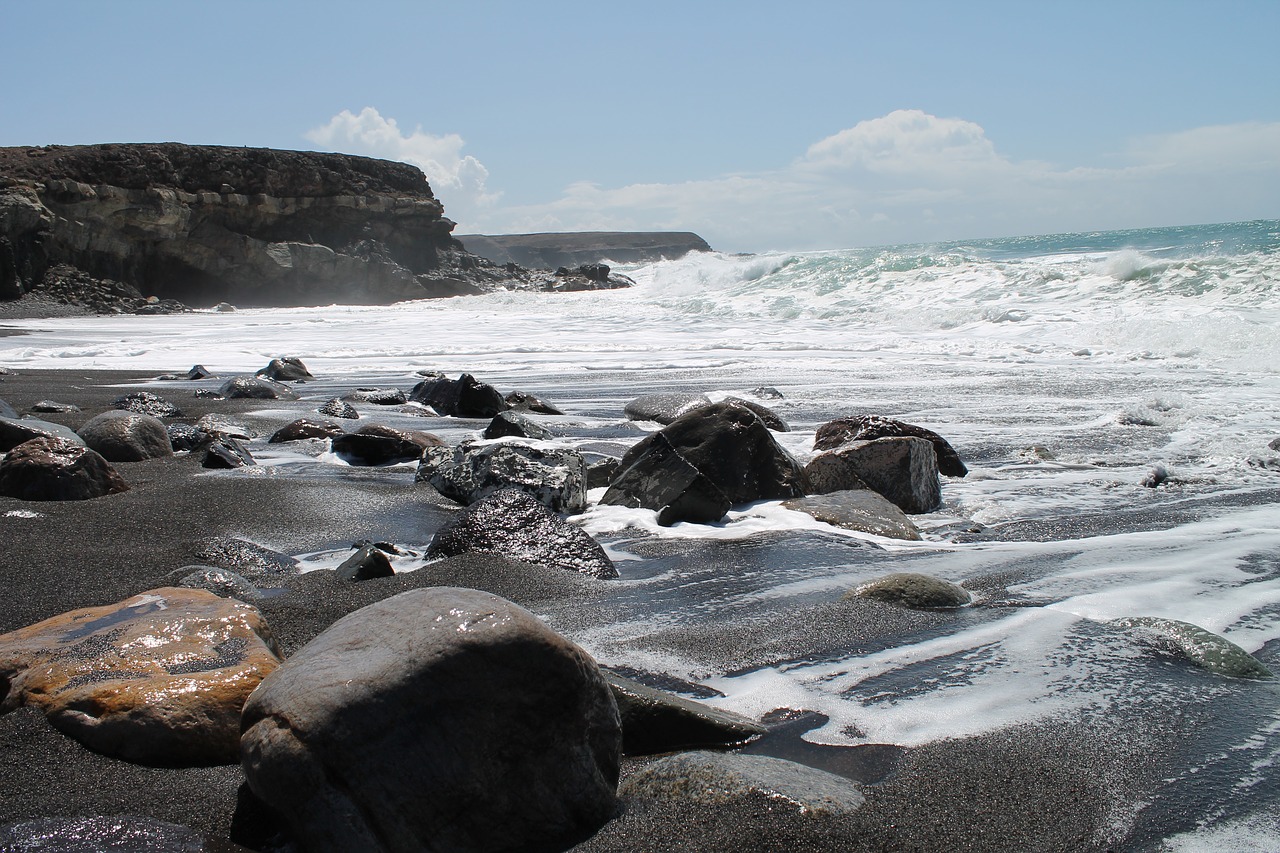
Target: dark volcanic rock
<point>912,589</point>
<point>769,416</point>
<point>255,388</point>
<point>381,445</point>
<point>7,411</point>
<point>245,558</point>
<point>555,476</point>
<point>660,478</point>
<point>464,397</point>
<point>224,452</point>
<point>521,401</point>
<point>54,469</point>
<point>860,509</point>
<point>125,436</point>
<point>221,582</point>
<point>904,470</point>
<point>654,721</point>
<point>185,437</point>
<point>52,407</point>
<point>304,428</point>
<point>337,408</point>
<point>664,408</point>
<point>146,403</point>
<point>286,369</point>
<point>379,396</point>
<point>513,424</point>
<point>15,431</point>
<point>868,427</point>
<point>516,525</point>
<point>441,719</point>
<point>367,562</point>
<point>586,277</point>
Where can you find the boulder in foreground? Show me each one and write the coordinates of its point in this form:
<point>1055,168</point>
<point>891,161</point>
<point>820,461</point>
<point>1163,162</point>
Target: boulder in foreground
<point>555,476</point>
<point>55,469</point>
<point>441,719</point>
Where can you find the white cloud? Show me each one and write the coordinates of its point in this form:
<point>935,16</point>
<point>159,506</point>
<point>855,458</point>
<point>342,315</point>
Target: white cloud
<point>458,180</point>
<point>914,177</point>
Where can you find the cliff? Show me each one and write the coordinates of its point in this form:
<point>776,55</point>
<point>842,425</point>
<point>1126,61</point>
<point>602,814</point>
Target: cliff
<point>207,224</point>
<point>569,249</point>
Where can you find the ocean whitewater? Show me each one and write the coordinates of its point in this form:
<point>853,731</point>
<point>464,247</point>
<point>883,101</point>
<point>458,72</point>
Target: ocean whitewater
<point>1067,371</point>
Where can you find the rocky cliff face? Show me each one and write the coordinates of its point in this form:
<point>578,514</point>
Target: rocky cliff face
<point>205,224</point>
<point>549,251</point>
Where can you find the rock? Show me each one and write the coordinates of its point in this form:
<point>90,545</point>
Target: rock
<point>255,388</point>
<point>207,394</point>
<point>103,834</point>
<point>54,469</point>
<point>304,428</point>
<point>198,371</point>
<point>286,369</point>
<point>769,416</point>
<point>15,431</point>
<point>441,719</point>
<point>1155,477</point>
<point>224,308</point>
<point>586,277</point>
<point>223,583</point>
<point>513,424</point>
<point>246,558</point>
<point>464,397</point>
<point>869,427</point>
<point>7,411</point>
<point>555,476</point>
<point>225,427</point>
<point>568,249</point>
<point>654,721</point>
<point>159,678</point>
<point>337,408</point>
<point>379,396</point>
<point>380,445</point>
<point>862,510</point>
<point>1203,648</point>
<point>516,525</point>
<point>727,445</point>
<point>185,437</point>
<point>523,402</point>
<point>604,472</point>
<point>224,452</point>
<point>767,392</point>
<point>146,403</point>
<point>717,779</point>
<point>125,436</point>
<point>1274,444</point>
<point>52,407</point>
<point>664,408</point>
<point>911,589</point>
<point>904,470</point>
<point>367,562</point>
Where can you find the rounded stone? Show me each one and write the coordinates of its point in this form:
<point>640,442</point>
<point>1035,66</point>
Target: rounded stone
<point>911,589</point>
<point>127,436</point>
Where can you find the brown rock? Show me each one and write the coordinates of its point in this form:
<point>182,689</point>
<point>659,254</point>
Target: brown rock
<point>159,678</point>
<point>55,469</point>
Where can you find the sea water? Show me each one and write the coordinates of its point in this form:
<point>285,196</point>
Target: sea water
<point>1065,370</point>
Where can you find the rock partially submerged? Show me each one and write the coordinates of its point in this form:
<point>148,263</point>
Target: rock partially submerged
<point>904,470</point>
<point>1205,649</point>
<point>555,476</point>
<point>255,388</point>
<point>870,427</point>
<point>915,590</point>
<point>246,558</point>
<point>464,397</point>
<point>286,369</point>
<point>861,509</point>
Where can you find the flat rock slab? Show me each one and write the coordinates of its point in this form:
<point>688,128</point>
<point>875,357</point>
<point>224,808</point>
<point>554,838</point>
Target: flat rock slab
<point>159,678</point>
<point>858,509</point>
<point>718,779</point>
<point>655,721</point>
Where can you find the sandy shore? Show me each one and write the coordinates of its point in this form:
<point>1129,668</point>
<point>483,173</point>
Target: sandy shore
<point>1044,789</point>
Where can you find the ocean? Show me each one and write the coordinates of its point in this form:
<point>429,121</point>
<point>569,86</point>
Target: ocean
<point>1065,370</point>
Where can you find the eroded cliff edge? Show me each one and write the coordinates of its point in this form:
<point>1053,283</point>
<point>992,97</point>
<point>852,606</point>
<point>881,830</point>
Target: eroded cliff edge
<point>210,224</point>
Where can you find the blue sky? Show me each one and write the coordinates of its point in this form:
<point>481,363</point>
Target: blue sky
<point>758,125</point>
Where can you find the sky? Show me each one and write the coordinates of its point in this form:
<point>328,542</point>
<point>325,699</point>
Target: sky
<point>804,125</point>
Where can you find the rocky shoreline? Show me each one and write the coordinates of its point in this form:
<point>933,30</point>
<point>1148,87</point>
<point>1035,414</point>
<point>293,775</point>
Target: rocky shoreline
<point>1044,787</point>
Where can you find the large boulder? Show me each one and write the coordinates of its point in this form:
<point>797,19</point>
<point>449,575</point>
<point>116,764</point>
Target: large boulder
<point>555,476</point>
<point>727,444</point>
<point>286,369</point>
<point>869,427</point>
<point>125,436</point>
<point>441,719</point>
<point>515,524</point>
<point>904,470</point>
<point>515,425</point>
<point>159,678</point>
<point>381,445</point>
<point>54,469</point>
<point>664,408</point>
<point>464,397</point>
<point>15,431</point>
<point>304,428</point>
<point>255,388</point>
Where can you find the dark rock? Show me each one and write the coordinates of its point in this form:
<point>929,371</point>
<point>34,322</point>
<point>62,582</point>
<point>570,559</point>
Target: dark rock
<point>245,558</point>
<point>904,470</point>
<point>304,428</point>
<point>440,719</point>
<point>223,583</point>
<point>654,721</point>
<point>1274,444</point>
<point>51,407</point>
<point>255,388</point>
<point>367,562</point>
<point>1205,649</point>
<point>570,249</point>
<point>125,436</point>
<point>185,437</point>
<point>1155,477</point>
<point>513,424</point>
<point>724,444</point>
<point>113,834</point>
<point>862,509</point>
<point>717,780</point>
<point>523,402</point>
<point>207,394</point>
<point>602,473</point>
<point>15,431</point>
<point>7,411</point>
<point>54,469</point>
<point>224,452</point>
<point>198,371</point>
<point>664,408</point>
<point>516,525</point>
<point>911,589</point>
<point>225,427</point>
<point>464,397</point>
<point>767,392</point>
<point>869,427</point>
<point>769,416</point>
<point>286,369</point>
<point>586,277</point>
<point>146,403</point>
<point>379,396</point>
<point>336,408</point>
<point>380,445</point>
<point>555,476</point>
